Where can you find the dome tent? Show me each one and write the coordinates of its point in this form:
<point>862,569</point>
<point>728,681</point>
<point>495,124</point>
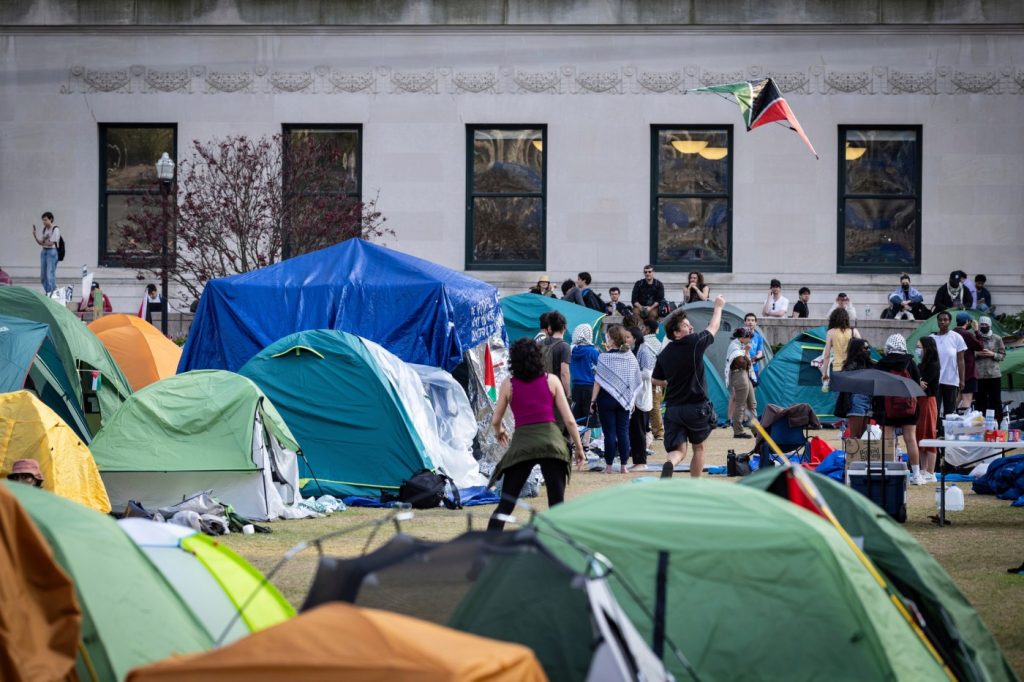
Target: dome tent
<point>420,311</point>
<point>522,315</point>
<point>144,354</point>
<point>205,430</point>
<point>359,413</point>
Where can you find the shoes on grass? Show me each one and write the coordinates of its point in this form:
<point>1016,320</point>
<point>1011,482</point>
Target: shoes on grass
<point>667,470</point>
<point>741,435</point>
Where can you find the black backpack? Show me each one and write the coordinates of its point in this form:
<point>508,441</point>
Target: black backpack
<point>425,490</point>
<point>593,301</point>
<point>60,249</point>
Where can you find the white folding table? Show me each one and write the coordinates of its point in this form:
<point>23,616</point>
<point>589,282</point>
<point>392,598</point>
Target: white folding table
<point>941,444</point>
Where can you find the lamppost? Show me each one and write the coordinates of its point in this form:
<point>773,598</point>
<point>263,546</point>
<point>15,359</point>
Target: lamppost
<point>165,173</point>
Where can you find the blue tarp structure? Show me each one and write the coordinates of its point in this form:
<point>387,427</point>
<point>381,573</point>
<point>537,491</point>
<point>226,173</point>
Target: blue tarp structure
<point>420,311</point>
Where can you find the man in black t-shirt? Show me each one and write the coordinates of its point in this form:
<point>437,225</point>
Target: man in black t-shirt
<point>800,307</point>
<point>648,293</point>
<point>680,368</point>
<point>555,349</point>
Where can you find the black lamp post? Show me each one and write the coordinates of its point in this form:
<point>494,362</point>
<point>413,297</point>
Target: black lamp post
<point>165,173</point>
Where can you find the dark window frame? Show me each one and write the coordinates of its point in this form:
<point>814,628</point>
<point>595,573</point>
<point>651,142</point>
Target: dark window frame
<point>287,128</point>
<point>656,130</point>
<point>540,264</point>
<point>105,258</point>
<point>842,196</point>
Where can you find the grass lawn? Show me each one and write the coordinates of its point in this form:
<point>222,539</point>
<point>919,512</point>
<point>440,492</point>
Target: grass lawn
<point>985,539</point>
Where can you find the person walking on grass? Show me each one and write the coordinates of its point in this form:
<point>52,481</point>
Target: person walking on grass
<point>616,383</point>
<point>534,396</point>
<point>858,356</point>
<point>737,377</point>
<point>640,419</point>
<point>582,365</point>
<point>900,412</point>
<point>837,342</point>
<point>927,416</point>
<point>689,416</point>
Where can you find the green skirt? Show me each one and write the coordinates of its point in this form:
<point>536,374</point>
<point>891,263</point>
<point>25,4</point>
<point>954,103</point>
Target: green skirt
<point>534,441</point>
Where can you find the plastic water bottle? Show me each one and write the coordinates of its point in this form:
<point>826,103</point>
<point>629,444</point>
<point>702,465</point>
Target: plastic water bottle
<point>824,386</point>
<point>1004,427</point>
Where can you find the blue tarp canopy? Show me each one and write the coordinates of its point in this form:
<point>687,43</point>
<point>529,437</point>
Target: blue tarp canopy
<point>420,311</point>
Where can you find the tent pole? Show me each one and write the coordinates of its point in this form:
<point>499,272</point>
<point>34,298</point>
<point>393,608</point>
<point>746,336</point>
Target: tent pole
<point>661,593</point>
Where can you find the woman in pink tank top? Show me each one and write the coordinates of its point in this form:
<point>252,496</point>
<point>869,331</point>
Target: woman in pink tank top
<point>533,395</point>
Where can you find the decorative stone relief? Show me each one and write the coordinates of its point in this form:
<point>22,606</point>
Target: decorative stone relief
<point>474,82</point>
<point>538,82</point>
<point>414,82</point>
<point>291,82</point>
<point>795,82</point>
<point>352,82</point>
<point>848,83</point>
<point>660,82</point>
<point>902,82</point>
<point>168,81</point>
<point>565,79</point>
<point>219,81</point>
<point>600,82</point>
<point>974,83</point>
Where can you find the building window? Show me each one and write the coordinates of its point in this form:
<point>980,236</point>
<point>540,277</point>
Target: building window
<point>335,149</point>
<point>691,197</point>
<point>506,188</point>
<point>128,156</point>
<point>879,199</point>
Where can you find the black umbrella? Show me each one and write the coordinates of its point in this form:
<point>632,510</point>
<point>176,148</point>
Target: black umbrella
<point>874,382</point>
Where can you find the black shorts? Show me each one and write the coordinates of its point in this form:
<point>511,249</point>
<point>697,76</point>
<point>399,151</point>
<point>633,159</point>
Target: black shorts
<point>970,386</point>
<point>690,422</point>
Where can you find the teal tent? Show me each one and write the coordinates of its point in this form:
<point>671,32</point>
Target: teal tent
<point>80,351</point>
<point>28,359</point>
<point>931,325</point>
<point>790,378</point>
<point>522,315</point>
<point>754,587</point>
<point>950,622</point>
<point>1012,368</point>
<point>357,434</point>
<point>718,392</point>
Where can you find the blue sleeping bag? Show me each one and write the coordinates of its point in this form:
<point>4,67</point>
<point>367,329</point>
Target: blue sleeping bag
<point>1004,479</point>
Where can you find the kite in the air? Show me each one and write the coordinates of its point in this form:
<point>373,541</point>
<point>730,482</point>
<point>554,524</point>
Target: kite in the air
<point>761,102</point>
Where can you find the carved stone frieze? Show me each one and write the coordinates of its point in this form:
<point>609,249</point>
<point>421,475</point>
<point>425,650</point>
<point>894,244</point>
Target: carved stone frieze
<point>848,83</point>
<point>538,81</point>
<point>474,82</point>
<point>600,82</point>
<point>219,81</point>
<point>975,83</point>
<point>660,82</point>
<point>352,82</point>
<point>414,82</point>
<point>902,82</point>
<point>1018,78</point>
<point>168,81</point>
<point>720,77</point>
<point>795,82</point>
<point>107,81</point>
<point>291,82</point>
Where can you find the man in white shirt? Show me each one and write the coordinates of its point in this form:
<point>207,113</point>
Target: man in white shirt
<point>776,304</point>
<point>951,347</point>
<point>843,301</point>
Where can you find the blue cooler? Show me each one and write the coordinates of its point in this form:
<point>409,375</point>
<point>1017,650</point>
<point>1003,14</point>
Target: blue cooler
<point>887,489</point>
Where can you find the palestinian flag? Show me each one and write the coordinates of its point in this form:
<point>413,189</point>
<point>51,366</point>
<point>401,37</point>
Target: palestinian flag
<point>760,103</point>
<point>492,390</point>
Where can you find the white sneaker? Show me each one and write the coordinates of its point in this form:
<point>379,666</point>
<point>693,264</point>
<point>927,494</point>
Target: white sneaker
<point>915,479</point>
<point>929,477</point>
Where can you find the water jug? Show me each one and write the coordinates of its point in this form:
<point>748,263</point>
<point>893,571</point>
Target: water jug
<point>954,498</point>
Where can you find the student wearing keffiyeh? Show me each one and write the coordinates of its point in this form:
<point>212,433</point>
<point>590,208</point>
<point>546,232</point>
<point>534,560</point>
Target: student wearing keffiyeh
<point>616,383</point>
<point>582,363</point>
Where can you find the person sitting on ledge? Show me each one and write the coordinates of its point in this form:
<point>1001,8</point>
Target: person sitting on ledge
<point>905,302</point>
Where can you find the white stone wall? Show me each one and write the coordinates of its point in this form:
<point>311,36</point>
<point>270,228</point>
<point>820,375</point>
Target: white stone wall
<point>598,90</point>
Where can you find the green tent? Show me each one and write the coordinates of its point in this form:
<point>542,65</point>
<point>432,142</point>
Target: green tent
<point>951,623</point>
<point>130,615</point>
<point>931,325</point>
<point>522,315</point>
<point>790,378</point>
<point>753,584</point>
<point>1012,368</point>
<point>201,430</point>
<point>699,315</point>
<point>79,350</point>
<point>28,359</point>
<point>356,432</point>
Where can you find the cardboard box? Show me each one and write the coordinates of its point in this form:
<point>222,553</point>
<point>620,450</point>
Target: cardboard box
<point>857,450</point>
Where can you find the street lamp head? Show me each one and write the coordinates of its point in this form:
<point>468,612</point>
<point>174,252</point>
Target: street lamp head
<point>165,168</point>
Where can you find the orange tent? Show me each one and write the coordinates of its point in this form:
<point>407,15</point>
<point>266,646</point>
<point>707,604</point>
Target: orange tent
<point>338,641</point>
<point>143,353</point>
<point>39,616</point>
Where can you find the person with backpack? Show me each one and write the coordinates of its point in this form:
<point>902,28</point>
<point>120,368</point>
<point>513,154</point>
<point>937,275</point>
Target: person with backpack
<point>556,354</point>
<point>590,298</point>
<point>50,241</point>
<point>896,411</point>
<point>616,383</point>
<point>535,397</point>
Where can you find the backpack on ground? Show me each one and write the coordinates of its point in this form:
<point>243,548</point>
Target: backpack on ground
<point>899,407</point>
<point>426,490</point>
<point>60,249</point>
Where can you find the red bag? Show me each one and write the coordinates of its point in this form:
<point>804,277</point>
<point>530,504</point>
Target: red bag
<point>900,407</point>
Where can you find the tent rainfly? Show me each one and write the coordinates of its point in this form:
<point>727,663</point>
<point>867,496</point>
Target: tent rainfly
<point>144,354</point>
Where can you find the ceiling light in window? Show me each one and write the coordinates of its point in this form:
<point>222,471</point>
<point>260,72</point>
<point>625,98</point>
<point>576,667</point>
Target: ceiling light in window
<point>854,153</point>
<point>714,153</point>
<point>689,146</point>
<point>538,145</point>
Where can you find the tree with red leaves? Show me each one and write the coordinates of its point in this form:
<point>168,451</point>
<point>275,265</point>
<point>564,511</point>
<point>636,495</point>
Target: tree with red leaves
<point>243,203</point>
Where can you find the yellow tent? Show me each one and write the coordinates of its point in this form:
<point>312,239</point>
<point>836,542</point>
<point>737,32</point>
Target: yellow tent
<point>339,641</point>
<point>141,351</point>
<point>31,430</point>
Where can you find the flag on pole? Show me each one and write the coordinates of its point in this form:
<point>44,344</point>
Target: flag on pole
<point>761,102</point>
<point>489,383</point>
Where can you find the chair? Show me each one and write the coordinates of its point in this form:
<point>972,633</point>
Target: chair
<point>792,440</point>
